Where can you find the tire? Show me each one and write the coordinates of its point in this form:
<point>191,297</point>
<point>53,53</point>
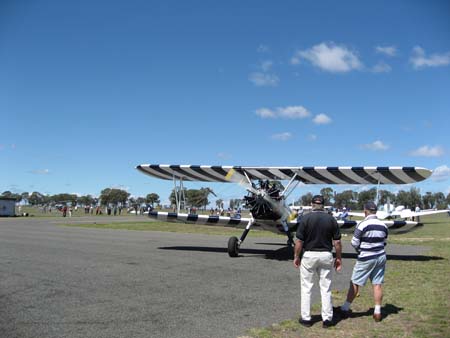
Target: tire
<point>233,247</point>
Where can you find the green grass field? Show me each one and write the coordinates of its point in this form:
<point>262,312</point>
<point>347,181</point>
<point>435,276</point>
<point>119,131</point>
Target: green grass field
<point>416,295</point>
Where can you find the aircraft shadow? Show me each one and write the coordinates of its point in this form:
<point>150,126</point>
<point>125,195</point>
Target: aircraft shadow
<point>286,253</point>
<point>283,254</point>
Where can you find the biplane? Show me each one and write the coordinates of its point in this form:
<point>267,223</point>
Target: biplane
<point>266,196</point>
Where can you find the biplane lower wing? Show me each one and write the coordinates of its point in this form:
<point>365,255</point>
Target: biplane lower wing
<point>345,226</point>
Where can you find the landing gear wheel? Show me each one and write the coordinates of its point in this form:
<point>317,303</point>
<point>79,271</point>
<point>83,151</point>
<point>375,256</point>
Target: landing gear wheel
<point>233,247</point>
<point>290,242</point>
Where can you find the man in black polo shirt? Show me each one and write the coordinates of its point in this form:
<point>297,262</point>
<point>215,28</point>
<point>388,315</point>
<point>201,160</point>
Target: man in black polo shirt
<point>316,234</point>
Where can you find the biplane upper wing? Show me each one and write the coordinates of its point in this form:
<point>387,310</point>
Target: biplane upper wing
<point>307,175</point>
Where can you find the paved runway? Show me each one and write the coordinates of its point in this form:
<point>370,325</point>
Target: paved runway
<point>73,282</point>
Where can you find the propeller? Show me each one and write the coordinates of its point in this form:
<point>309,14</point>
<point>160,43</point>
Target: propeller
<point>264,200</point>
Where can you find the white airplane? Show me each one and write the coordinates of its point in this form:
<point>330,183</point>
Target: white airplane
<point>266,198</point>
<point>388,211</point>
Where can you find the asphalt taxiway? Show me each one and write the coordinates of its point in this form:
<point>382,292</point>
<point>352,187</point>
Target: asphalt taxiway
<point>58,281</point>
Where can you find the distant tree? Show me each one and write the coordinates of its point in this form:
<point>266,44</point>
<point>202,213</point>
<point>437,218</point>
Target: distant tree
<point>440,201</point>
<point>306,199</point>
<point>36,198</point>
<point>327,194</point>
<point>113,196</point>
<point>410,198</point>
<point>198,197</point>
<point>152,199</point>
<point>448,199</point>
<point>384,196</point>
<point>64,198</point>
<point>219,203</point>
<point>235,203</point>
<point>346,199</point>
<point>7,194</point>
<point>86,200</point>
<point>25,196</point>
<point>365,196</point>
<point>428,200</point>
<point>140,200</point>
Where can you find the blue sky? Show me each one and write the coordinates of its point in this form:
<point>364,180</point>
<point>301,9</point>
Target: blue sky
<point>90,89</point>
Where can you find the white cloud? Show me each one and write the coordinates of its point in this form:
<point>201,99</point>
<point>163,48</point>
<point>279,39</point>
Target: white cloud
<point>289,112</point>
<point>312,137</point>
<point>329,57</point>
<point>121,187</point>
<point>263,48</point>
<point>294,112</point>
<point>261,79</point>
<point>322,119</point>
<point>381,67</point>
<point>441,173</point>
<point>282,136</point>
<point>40,172</point>
<point>427,151</point>
<point>386,50</point>
<point>223,156</point>
<point>376,145</point>
<point>266,113</point>
<point>266,65</point>
<point>419,59</point>
<point>264,77</point>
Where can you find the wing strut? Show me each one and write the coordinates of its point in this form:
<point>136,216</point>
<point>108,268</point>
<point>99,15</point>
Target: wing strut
<point>180,198</point>
<point>285,193</point>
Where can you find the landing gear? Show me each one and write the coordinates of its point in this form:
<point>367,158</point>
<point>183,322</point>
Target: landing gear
<point>234,243</point>
<point>233,247</point>
<point>290,241</point>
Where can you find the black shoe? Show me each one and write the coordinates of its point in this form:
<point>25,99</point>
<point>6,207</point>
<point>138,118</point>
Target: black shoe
<point>306,323</point>
<point>327,323</point>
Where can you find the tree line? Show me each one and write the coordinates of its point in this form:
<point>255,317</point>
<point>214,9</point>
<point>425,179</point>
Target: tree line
<point>199,198</point>
<point>107,196</point>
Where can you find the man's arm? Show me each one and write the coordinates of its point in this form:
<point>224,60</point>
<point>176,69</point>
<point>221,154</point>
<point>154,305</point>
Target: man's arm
<point>338,260</point>
<point>297,252</point>
<point>356,240</point>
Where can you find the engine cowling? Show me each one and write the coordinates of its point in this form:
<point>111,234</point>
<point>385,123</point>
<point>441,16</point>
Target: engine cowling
<point>263,201</point>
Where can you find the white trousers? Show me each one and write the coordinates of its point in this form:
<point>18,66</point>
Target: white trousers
<point>320,263</point>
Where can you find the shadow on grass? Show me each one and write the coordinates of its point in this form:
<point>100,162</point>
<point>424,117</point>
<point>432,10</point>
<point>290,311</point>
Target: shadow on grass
<point>286,253</point>
<point>415,258</point>
<point>386,311</point>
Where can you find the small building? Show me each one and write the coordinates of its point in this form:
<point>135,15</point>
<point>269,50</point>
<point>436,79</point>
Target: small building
<point>7,206</point>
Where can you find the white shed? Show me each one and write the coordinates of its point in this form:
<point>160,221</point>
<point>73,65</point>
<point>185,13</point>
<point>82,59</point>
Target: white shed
<point>7,206</point>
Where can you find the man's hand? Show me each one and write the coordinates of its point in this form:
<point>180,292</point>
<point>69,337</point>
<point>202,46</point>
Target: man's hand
<point>338,264</point>
<point>297,261</point>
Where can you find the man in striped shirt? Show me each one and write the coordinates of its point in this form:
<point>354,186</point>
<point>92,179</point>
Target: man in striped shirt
<point>369,241</point>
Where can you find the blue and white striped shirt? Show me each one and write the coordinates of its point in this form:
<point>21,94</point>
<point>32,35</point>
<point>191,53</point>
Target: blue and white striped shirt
<point>369,238</point>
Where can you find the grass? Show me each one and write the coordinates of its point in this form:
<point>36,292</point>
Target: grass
<point>173,227</point>
<point>416,295</point>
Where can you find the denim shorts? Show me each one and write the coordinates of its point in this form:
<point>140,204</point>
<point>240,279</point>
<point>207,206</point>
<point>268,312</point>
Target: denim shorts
<point>372,268</point>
